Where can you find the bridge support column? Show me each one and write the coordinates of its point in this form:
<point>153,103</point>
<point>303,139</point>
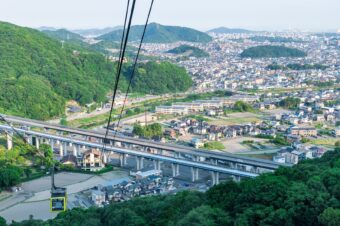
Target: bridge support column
<point>64,144</point>
<point>215,177</point>
<point>175,169</point>
<point>76,149</point>
<point>61,149</point>
<point>213,161</point>
<point>29,139</point>
<point>194,174</point>
<point>37,142</point>
<point>104,156</point>
<point>52,144</point>
<point>157,164</point>
<point>236,178</point>
<point>176,155</point>
<point>140,163</point>
<point>9,136</point>
<point>255,169</point>
<point>122,159</point>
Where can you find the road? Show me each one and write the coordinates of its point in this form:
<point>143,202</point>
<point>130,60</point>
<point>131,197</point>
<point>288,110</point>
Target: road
<point>82,115</point>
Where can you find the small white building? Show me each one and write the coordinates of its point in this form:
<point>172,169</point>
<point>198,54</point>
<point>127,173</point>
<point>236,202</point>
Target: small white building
<point>180,110</point>
<point>97,197</point>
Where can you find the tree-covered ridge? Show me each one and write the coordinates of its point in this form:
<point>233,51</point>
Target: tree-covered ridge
<point>62,34</point>
<point>160,78</point>
<point>298,67</point>
<point>189,51</point>
<point>307,194</point>
<point>38,74</point>
<point>157,33</point>
<point>269,51</point>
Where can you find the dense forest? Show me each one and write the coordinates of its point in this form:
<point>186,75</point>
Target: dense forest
<point>40,74</point>
<point>160,78</point>
<point>305,194</point>
<point>269,51</point>
<point>189,51</point>
<point>157,33</point>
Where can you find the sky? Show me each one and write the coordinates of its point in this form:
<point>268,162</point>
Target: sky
<point>306,15</point>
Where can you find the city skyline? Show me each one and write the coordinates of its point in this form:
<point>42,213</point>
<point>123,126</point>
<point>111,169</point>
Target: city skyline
<point>258,15</point>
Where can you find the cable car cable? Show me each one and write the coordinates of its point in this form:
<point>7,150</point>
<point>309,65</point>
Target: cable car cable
<point>134,67</point>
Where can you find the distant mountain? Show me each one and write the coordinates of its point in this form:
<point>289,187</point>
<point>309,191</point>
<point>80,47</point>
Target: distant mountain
<point>62,34</point>
<point>44,28</point>
<point>68,37</point>
<point>269,51</point>
<point>189,51</point>
<point>157,33</point>
<point>94,32</point>
<point>225,30</point>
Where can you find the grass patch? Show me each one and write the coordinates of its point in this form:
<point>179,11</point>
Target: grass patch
<point>235,121</point>
<point>106,169</point>
<point>327,142</point>
<point>267,156</point>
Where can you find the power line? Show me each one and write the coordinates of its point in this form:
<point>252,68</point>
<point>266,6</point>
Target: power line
<point>134,66</point>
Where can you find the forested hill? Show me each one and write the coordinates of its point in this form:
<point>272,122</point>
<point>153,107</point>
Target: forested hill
<point>157,33</point>
<point>307,194</point>
<point>190,51</point>
<point>63,34</point>
<point>37,75</point>
<point>272,52</point>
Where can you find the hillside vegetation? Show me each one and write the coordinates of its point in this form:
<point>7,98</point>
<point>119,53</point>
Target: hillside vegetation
<point>157,33</point>
<point>269,51</point>
<point>37,74</point>
<point>189,51</point>
<point>307,194</point>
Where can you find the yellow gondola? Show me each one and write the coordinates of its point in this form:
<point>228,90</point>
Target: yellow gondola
<point>58,200</point>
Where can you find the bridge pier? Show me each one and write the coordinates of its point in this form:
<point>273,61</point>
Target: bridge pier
<point>157,164</point>
<point>64,144</point>
<point>9,136</point>
<point>140,163</point>
<point>61,149</point>
<point>255,169</point>
<point>194,174</point>
<point>76,150</point>
<point>236,178</point>
<point>52,144</point>
<point>213,162</point>
<point>215,177</point>
<point>122,159</point>
<point>37,144</point>
<point>175,170</point>
<point>104,154</point>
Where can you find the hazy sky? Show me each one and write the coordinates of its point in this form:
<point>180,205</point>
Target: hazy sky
<point>316,15</point>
